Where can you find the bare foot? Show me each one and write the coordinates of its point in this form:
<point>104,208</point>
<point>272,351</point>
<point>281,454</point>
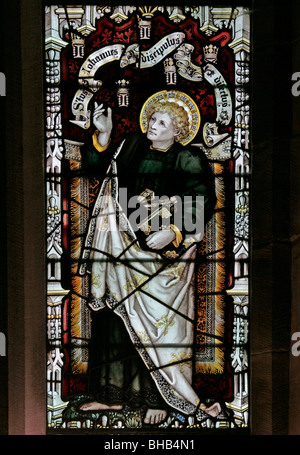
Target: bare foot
<point>213,410</point>
<point>155,416</point>
<point>96,406</point>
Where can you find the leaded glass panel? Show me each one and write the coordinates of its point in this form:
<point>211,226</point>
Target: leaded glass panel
<point>147,154</point>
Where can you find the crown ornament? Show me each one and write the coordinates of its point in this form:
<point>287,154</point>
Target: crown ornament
<point>123,92</point>
<point>210,53</point>
<point>78,45</point>
<point>170,71</point>
<point>145,21</point>
<point>148,11</point>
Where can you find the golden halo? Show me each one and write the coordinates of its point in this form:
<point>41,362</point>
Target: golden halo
<point>182,99</point>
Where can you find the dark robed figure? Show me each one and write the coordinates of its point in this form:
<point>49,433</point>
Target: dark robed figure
<point>119,372</point>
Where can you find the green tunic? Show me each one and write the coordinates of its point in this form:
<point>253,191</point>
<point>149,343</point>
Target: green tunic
<point>178,171</point>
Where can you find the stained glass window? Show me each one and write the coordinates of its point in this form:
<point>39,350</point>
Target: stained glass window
<point>147,154</point>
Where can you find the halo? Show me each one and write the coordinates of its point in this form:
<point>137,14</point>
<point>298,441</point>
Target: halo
<point>182,99</point>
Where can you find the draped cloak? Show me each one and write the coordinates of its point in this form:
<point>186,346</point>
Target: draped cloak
<point>153,298</point>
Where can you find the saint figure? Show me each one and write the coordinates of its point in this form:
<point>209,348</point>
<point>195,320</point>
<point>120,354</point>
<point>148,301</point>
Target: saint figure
<point>142,293</point>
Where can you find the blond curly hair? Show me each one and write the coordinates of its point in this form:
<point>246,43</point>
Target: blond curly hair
<point>177,114</point>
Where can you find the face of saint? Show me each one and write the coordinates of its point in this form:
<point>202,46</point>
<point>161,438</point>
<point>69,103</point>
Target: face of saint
<point>161,130</point>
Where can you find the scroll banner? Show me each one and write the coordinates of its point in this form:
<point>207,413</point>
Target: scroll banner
<point>155,54</point>
<point>222,94</point>
<point>146,59</point>
<point>184,65</point>
<point>86,76</point>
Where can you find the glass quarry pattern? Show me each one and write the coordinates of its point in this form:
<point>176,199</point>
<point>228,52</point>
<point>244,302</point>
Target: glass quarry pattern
<point>99,53</point>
